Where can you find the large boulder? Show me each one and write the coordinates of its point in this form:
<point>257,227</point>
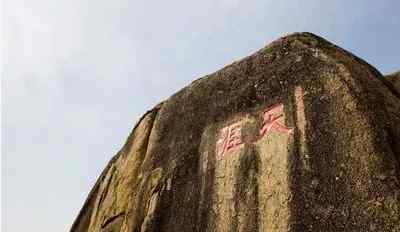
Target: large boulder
<point>300,136</point>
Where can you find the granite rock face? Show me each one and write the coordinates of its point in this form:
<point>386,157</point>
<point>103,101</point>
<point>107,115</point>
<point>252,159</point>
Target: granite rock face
<point>394,78</point>
<point>300,136</point>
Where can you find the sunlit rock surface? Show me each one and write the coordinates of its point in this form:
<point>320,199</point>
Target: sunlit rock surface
<point>300,136</point>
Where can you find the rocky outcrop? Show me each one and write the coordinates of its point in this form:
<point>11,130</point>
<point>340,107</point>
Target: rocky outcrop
<point>394,78</point>
<point>300,136</point>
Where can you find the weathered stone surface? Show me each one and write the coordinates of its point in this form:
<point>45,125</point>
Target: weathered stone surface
<point>300,136</point>
<point>394,78</point>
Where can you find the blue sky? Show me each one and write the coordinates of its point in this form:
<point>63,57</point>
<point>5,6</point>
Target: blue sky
<point>77,75</point>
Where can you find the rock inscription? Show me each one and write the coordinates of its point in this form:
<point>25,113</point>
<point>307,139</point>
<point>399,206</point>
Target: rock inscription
<point>230,136</point>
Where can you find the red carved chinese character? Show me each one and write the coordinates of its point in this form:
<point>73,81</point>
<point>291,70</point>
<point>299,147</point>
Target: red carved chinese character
<point>231,137</point>
<point>272,120</point>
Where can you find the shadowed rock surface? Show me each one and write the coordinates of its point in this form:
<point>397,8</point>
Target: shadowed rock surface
<point>394,78</point>
<point>300,136</point>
